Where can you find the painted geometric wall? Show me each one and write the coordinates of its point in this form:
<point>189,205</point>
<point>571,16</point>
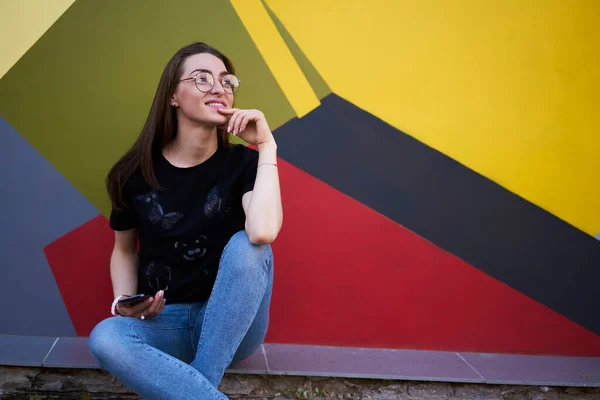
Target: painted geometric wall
<point>439,164</point>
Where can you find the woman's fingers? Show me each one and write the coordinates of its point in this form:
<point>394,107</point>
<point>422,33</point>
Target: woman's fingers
<point>135,310</point>
<point>227,111</point>
<point>244,121</point>
<point>231,122</point>
<point>161,307</point>
<point>156,305</point>
<point>235,121</point>
<point>231,112</point>
<point>238,121</point>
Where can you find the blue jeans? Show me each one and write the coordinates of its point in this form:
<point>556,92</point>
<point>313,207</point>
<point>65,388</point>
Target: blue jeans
<point>183,352</point>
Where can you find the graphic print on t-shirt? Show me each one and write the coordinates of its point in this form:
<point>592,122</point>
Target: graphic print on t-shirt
<point>192,250</point>
<point>156,213</point>
<point>216,203</point>
<point>184,227</point>
<point>158,276</point>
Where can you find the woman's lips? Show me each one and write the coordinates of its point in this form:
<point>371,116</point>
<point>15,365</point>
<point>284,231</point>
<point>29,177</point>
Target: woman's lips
<point>215,104</point>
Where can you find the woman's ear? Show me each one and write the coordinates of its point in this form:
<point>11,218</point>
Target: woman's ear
<point>174,101</point>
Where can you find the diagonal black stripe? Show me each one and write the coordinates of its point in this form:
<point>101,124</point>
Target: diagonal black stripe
<point>449,204</point>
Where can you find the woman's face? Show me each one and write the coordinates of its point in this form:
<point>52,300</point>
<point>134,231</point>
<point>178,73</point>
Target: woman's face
<point>195,105</point>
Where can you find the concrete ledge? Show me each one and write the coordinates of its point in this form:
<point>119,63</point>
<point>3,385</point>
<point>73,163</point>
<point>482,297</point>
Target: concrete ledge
<point>344,362</point>
<point>58,383</point>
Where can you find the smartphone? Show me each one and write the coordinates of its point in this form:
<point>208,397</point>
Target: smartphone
<point>133,300</point>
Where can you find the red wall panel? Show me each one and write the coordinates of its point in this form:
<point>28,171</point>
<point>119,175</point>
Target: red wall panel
<point>346,275</point>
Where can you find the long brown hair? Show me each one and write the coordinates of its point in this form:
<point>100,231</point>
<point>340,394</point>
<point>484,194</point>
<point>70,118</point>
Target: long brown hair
<point>160,127</point>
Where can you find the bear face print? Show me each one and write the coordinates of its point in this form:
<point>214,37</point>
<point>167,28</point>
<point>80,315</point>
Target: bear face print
<point>192,250</point>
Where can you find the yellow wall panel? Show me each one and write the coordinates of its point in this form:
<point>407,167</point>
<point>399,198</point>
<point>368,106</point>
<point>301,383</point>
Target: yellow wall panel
<point>509,88</point>
<point>22,23</point>
<point>278,56</point>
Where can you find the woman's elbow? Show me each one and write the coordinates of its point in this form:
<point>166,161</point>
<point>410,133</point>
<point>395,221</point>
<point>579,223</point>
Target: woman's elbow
<point>259,235</point>
<point>260,238</point>
<point>265,231</point>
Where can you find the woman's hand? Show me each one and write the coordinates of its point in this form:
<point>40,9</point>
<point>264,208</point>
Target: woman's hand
<point>250,125</point>
<point>148,308</point>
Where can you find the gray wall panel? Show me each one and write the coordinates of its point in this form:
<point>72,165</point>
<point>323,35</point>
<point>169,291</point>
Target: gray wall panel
<point>38,205</point>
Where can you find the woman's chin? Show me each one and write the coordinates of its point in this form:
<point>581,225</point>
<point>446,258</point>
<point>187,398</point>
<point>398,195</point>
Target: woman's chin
<point>214,121</point>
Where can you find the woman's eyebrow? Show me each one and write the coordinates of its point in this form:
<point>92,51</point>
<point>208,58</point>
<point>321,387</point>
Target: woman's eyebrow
<point>208,71</point>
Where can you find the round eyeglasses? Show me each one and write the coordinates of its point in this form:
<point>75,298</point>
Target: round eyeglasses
<point>205,81</point>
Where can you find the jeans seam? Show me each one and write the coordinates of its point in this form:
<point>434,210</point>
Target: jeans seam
<point>205,322</point>
<point>192,328</point>
<point>269,262</point>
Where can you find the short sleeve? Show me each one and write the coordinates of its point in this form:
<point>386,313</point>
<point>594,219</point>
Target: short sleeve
<point>125,218</point>
<point>249,173</point>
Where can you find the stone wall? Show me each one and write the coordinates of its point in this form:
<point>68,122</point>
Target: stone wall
<point>82,384</point>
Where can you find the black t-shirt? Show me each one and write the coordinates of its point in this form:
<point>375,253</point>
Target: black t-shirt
<point>184,226</point>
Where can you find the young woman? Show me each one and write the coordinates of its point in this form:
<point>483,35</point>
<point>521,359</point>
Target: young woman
<point>204,212</point>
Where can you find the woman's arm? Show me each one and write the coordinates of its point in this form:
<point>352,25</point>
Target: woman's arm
<point>264,213</point>
<point>124,263</point>
<point>262,205</point>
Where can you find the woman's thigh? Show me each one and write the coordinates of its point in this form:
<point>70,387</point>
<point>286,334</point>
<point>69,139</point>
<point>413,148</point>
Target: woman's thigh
<point>169,332</point>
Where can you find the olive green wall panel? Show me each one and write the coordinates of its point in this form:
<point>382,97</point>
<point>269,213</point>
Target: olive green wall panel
<point>81,94</point>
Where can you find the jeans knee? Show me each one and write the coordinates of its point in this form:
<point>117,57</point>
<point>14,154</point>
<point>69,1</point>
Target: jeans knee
<point>241,251</point>
<point>103,341</point>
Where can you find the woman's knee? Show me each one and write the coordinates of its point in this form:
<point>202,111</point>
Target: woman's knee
<point>107,338</point>
<point>240,247</point>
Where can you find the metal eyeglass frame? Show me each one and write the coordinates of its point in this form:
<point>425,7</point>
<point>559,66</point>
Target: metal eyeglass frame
<point>220,80</point>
